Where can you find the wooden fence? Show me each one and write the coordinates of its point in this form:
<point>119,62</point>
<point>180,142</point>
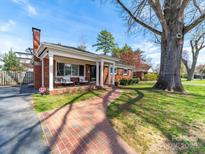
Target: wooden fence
<point>11,78</point>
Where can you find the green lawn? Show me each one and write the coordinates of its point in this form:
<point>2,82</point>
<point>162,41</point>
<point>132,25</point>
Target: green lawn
<point>49,102</point>
<point>194,82</point>
<point>153,121</point>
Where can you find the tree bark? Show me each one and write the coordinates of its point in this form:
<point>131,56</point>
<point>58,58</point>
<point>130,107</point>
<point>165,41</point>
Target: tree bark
<point>171,52</point>
<point>193,66</point>
<point>190,71</point>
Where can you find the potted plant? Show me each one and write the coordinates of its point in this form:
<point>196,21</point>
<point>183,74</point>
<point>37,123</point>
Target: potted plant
<point>42,90</point>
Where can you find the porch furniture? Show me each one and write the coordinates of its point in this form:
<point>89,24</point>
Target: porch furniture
<point>67,81</point>
<point>82,80</point>
<point>75,80</point>
<point>58,81</point>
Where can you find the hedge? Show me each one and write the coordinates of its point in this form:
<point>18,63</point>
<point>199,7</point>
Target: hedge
<point>129,81</point>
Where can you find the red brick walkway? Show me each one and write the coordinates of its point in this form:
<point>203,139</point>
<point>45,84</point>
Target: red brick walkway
<point>83,128</point>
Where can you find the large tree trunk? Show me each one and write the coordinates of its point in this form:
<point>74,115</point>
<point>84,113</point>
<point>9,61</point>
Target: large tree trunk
<point>171,53</point>
<point>169,77</point>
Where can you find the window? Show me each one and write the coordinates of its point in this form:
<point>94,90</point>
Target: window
<point>70,70</point>
<point>67,69</point>
<point>75,70</point>
<point>60,69</point>
<point>125,72</point>
<point>112,72</point>
<point>81,70</point>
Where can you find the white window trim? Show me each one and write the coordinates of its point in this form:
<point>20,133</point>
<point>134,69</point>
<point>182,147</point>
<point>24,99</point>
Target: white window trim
<point>111,70</point>
<point>56,74</point>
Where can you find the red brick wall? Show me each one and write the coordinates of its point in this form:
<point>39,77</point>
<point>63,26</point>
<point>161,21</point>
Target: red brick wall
<point>46,72</point>
<point>87,73</point>
<point>37,72</point>
<point>139,75</point>
<point>120,74</point>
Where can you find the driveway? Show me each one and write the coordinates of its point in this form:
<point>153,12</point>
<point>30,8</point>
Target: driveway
<point>20,131</point>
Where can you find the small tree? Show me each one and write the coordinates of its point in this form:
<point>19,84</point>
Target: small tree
<point>11,62</point>
<point>130,57</point>
<point>116,52</point>
<point>105,42</point>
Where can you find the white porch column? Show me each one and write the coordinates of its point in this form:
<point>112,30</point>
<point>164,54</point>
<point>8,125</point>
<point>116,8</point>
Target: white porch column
<point>113,74</point>
<point>97,73</point>
<point>50,71</point>
<point>101,73</point>
<point>109,78</point>
<point>42,72</point>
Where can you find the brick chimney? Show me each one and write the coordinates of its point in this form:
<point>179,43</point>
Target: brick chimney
<point>36,38</point>
<point>37,70</point>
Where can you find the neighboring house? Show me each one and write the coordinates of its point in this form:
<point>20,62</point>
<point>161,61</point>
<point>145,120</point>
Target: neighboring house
<point>25,60</point>
<point>56,64</point>
<point>198,75</point>
<point>1,63</point>
<point>140,70</point>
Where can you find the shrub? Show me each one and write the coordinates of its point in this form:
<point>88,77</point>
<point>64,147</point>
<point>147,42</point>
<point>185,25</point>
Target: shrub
<point>135,80</point>
<point>124,82</point>
<point>129,81</point>
<point>150,77</point>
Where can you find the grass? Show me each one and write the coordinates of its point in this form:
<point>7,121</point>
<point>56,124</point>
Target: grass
<point>153,121</point>
<point>49,102</point>
<point>194,82</point>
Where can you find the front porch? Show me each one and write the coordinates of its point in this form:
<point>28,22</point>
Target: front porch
<point>70,72</point>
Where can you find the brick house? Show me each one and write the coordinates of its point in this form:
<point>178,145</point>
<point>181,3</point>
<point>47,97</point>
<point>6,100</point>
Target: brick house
<point>55,63</point>
<point>140,70</point>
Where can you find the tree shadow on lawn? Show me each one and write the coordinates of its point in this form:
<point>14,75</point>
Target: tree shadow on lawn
<point>171,124</point>
<point>103,127</point>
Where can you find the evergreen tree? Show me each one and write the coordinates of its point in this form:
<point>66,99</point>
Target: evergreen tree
<point>105,42</point>
<point>11,62</point>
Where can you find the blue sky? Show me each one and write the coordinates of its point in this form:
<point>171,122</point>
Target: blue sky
<point>68,22</point>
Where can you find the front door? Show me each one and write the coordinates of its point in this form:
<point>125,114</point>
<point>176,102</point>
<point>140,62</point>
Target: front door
<point>92,73</point>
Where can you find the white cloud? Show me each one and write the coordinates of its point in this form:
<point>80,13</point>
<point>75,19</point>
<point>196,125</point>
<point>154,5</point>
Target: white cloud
<point>16,43</point>
<point>26,5</point>
<point>151,50</point>
<point>7,26</point>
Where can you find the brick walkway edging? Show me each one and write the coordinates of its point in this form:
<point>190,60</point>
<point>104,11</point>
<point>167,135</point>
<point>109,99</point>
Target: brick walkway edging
<point>83,128</point>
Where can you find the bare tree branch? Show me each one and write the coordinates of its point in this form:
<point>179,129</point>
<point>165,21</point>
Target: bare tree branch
<point>138,20</point>
<point>183,6</point>
<point>157,9</point>
<point>194,23</point>
<point>197,6</point>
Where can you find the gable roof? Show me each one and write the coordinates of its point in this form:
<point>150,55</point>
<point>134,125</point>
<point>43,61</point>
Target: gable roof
<point>45,46</point>
<point>68,47</point>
